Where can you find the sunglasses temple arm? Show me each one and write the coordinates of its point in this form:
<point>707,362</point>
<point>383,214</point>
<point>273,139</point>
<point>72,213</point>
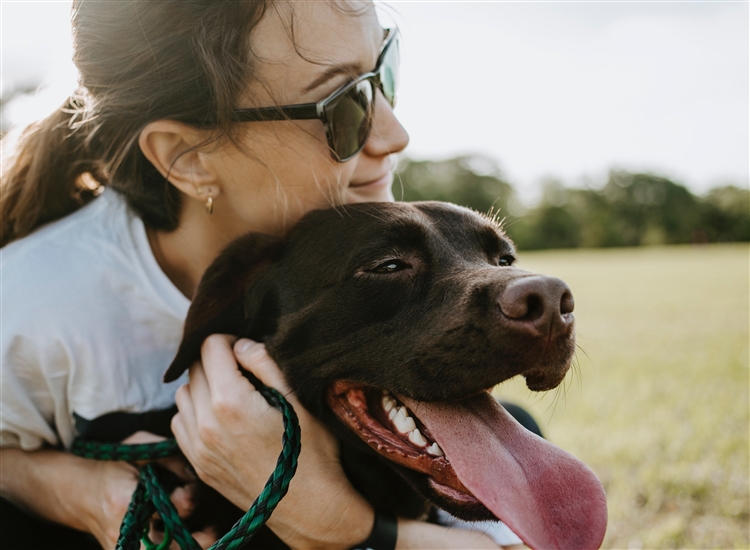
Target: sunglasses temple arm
<point>307,111</point>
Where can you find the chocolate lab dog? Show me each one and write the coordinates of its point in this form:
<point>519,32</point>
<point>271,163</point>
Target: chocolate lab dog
<point>391,322</point>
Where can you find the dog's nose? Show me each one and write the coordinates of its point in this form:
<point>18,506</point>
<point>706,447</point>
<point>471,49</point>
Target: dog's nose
<point>544,303</point>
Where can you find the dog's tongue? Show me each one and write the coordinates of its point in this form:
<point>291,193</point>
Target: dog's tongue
<point>546,496</point>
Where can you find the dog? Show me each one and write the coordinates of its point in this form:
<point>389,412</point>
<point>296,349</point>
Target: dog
<point>391,322</point>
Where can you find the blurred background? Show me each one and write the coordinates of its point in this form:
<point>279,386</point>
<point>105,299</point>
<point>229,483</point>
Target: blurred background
<point>614,140</point>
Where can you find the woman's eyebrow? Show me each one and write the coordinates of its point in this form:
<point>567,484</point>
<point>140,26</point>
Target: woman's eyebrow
<point>349,69</point>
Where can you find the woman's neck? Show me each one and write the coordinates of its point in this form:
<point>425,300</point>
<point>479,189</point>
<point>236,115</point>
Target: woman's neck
<point>185,253</point>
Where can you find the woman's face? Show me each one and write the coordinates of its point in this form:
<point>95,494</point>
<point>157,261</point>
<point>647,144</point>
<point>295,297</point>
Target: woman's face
<point>303,52</point>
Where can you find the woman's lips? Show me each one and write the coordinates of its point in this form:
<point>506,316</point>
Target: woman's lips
<point>382,181</point>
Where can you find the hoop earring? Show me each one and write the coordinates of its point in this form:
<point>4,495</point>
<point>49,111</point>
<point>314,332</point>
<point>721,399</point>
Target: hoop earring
<point>210,202</point>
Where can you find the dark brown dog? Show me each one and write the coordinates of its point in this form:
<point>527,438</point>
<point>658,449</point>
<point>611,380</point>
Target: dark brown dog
<point>391,321</point>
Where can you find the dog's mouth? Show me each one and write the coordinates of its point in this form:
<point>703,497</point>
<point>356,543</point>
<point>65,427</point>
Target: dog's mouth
<point>395,432</point>
<point>476,456</point>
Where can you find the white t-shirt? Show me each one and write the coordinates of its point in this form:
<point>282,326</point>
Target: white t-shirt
<point>496,530</point>
<point>88,325</point>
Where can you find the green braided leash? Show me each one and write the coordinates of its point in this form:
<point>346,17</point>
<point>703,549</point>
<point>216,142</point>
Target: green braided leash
<point>150,496</point>
<point>100,450</point>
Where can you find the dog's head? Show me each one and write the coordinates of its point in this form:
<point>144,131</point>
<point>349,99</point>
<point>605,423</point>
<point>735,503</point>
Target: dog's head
<point>394,320</point>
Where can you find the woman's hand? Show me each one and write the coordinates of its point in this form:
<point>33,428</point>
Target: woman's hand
<point>182,496</point>
<point>232,437</point>
<point>105,498</point>
<point>84,494</point>
<point>88,495</point>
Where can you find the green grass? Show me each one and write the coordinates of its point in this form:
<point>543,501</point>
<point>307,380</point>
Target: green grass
<point>658,403</point>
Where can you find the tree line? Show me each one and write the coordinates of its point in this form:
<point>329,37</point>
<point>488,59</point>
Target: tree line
<point>630,209</point>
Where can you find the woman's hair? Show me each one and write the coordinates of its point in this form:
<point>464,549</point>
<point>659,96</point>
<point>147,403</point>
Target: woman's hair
<point>139,61</point>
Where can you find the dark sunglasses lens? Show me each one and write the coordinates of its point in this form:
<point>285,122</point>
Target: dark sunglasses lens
<point>350,120</point>
<point>389,72</point>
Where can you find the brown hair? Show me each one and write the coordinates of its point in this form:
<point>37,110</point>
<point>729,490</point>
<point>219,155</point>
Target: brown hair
<point>139,61</point>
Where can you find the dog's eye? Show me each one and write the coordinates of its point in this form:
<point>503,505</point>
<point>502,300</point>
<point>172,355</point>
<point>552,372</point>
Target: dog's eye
<point>391,266</point>
<point>506,261</point>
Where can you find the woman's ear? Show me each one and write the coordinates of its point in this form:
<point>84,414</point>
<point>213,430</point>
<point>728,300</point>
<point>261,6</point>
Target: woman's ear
<point>170,146</point>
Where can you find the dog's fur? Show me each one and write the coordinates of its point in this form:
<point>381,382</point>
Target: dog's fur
<point>412,299</point>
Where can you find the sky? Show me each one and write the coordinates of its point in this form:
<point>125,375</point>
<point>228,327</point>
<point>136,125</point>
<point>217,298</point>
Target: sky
<point>556,89</point>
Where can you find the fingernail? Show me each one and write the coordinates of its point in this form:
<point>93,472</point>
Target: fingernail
<point>243,345</point>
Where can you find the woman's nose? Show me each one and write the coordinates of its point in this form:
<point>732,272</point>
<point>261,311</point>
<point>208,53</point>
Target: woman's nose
<point>387,135</point>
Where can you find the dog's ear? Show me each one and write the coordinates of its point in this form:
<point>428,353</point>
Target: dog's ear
<point>222,300</point>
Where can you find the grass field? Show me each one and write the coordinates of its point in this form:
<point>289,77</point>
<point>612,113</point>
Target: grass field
<point>658,404</point>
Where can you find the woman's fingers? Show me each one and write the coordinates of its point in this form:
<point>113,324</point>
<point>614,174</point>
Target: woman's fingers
<point>143,437</point>
<point>206,537</point>
<point>221,383</point>
<point>217,359</point>
<point>191,435</point>
<point>232,436</point>
<point>226,429</point>
<point>253,356</point>
<point>219,377</point>
<point>182,496</point>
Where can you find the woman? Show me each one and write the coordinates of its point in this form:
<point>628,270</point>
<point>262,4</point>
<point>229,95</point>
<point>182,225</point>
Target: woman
<point>164,125</point>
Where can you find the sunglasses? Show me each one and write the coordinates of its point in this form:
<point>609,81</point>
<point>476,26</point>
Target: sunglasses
<point>347,113</point>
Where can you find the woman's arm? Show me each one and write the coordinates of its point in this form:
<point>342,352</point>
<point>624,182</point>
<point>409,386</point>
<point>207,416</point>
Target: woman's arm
<point>232,437</point>
<point>418,534</point>
<point>87,495</point>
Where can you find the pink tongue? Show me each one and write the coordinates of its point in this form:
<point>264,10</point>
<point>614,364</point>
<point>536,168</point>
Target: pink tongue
<point>546,496</point>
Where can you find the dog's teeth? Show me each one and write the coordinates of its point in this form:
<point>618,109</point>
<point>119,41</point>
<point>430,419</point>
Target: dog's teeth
<point>435,450</point>
<point>408,426</point>
<point>388,403</point>
<point>404,424</point>
<point>416,437</point>
<point>392,414</point>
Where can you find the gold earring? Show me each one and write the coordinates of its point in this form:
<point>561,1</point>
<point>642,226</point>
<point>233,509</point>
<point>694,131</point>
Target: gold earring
<point>210,202</point>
